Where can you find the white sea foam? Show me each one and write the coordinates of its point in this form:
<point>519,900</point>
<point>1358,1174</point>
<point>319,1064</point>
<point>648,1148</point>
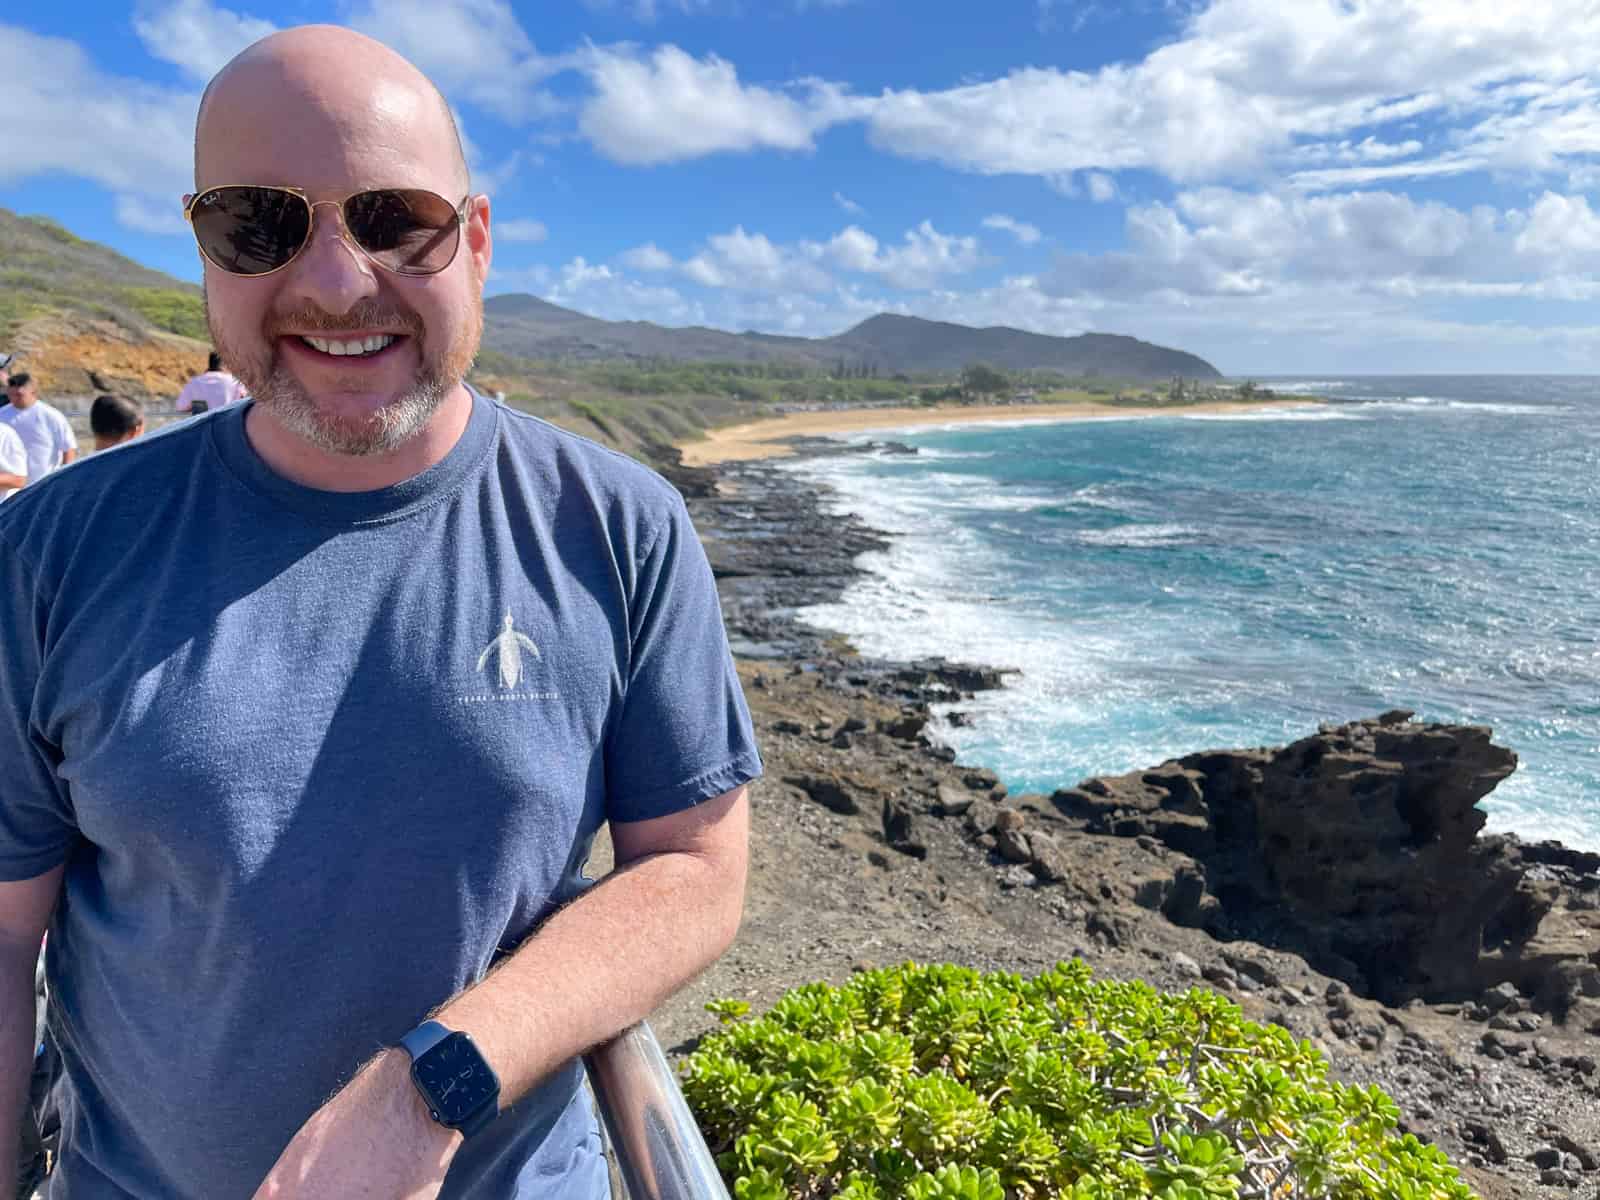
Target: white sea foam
<point>1312,387</point>
<point>1102,495</point>
<point>1139,536</point>
<point>1119,679</point>
<point>1278,414</point>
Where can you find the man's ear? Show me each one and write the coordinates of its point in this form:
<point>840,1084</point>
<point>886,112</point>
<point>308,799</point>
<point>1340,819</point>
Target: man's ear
<point>480,243</point>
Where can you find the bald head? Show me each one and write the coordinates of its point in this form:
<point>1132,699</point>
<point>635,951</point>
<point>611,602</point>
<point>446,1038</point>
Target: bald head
<point>327,97</point>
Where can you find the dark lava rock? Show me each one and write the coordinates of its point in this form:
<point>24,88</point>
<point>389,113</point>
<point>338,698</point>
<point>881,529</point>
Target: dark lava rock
<point>827,790</point>
<point>1359,849</point>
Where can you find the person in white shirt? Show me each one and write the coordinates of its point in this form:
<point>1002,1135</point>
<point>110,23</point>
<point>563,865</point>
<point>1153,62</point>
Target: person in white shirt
<point>213,389</point>
<point>13,462</point>
<point>46,434</point>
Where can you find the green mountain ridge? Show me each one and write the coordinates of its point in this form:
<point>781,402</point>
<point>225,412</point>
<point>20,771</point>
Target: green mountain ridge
<point>45,269</point>
<point>529,327</point>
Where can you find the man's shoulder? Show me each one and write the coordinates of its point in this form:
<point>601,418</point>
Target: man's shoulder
<point>123,479</point>
<point>599,468</point>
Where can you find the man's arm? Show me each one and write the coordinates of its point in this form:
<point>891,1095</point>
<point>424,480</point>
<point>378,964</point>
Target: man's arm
<point>597,967</point>
<point>68,455</point>
<point>25,908</point>
<point>9,479</point>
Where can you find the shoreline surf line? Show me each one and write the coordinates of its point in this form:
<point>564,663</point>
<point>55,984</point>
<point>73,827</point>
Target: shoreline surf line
<point>765,438</point>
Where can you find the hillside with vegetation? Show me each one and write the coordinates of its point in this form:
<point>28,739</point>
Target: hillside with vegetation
<point>882,345</point>
<point>84,319</point>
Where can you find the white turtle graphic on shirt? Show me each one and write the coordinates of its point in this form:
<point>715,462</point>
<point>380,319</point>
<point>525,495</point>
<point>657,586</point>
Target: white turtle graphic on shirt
<point>509,646</point>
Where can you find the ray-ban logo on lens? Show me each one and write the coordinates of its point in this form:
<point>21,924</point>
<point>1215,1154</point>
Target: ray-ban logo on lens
<point>502,660</point>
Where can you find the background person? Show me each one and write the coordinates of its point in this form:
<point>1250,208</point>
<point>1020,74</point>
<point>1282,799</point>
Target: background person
<point>213,388</point>
<point>13,462</point>
<point>45,433</point>
<point>114,420</point>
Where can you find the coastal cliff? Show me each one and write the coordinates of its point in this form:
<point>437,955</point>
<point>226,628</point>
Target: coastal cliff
<point>1339,886</point>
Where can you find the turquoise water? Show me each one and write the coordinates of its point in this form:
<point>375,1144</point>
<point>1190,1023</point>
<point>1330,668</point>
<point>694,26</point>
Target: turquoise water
<point>1177,583</point>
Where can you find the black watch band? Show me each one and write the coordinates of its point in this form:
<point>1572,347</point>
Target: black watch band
<point>437,1051</point>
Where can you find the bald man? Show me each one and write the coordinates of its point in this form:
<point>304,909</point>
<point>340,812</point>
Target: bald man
<point>311,710</point>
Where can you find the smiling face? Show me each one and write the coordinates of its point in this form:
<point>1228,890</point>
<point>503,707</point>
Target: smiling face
<point>347,356</point>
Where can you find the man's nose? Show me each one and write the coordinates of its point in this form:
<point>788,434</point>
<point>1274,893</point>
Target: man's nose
<point>331,272</point>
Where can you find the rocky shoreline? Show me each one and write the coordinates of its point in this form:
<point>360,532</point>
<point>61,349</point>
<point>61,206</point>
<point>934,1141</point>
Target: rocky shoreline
<point>1340,886</point>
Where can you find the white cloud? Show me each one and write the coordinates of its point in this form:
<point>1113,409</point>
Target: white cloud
<point>474,50</point>
<point>603,292</point>
<point>1251,81</point>
<point>647,10</point>
<point>520,230</point>
<point>670,106</point>
<point>64,114</point>
<point>753,262</point>
<point>194,35</point>
<point>849,205</point>
<point>1219,243</point>
<point>1021,230</point>
<point>648,257</point>
<point>145,215</point>
<point>924,257</point>
<point>1102,188</point>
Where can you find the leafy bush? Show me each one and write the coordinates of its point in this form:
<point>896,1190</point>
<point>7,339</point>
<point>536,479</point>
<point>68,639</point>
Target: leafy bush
<point>941,1083</point>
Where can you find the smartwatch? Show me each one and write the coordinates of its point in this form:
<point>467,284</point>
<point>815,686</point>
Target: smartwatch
<point>458,1085</point>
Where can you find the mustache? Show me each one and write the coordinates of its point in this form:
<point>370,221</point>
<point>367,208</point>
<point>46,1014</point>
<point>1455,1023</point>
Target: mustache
<point>364,314</point>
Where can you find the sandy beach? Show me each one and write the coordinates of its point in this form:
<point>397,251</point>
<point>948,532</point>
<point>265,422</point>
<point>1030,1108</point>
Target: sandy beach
<point>768,438</point>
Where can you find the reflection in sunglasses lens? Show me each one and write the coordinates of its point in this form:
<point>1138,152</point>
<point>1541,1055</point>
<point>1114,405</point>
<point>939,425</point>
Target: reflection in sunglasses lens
<point>254,230</point>
<point>250,230</point>
<point>407,230</point>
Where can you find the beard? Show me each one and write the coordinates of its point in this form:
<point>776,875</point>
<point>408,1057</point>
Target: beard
<point>274,386</point>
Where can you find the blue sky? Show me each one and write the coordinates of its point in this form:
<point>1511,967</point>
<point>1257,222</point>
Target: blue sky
<point>1308,187</point>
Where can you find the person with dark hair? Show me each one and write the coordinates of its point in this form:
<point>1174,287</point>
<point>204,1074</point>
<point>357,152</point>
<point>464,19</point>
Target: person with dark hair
<point>44,431</point>
<point>213,388</point>
<point>114,420</point>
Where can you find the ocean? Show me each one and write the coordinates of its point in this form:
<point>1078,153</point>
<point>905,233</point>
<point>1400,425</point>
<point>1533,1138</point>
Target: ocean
<point>1184,582</point>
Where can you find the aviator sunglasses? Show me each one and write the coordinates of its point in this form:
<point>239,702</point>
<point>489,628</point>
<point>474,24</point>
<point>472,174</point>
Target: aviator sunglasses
<point>252,229</point>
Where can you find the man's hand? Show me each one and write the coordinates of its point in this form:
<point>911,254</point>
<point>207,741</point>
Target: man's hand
<point>373,1141</point>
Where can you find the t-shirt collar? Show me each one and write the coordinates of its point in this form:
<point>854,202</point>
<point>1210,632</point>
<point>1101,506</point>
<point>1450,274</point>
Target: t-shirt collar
<point>229,442</point>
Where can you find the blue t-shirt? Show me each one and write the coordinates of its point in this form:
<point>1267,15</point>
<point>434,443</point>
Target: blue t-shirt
<point>313,760</point>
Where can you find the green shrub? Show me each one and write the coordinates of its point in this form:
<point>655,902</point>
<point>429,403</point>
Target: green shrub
<point>942,1083</point>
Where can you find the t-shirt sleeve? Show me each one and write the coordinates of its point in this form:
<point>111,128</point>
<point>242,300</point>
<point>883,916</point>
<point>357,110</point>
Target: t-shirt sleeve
<point>13,454</point>
<point>65,438</point>
<point>683,734</point>
<point>185,397</point>
<point>36,825</point>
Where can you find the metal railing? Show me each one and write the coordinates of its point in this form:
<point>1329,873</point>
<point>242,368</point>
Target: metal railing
<point>659,1149</point>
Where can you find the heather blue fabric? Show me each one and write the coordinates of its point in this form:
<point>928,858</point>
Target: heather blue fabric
<point>313,760</point>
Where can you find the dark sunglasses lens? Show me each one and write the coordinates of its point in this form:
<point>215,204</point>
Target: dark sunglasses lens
<point>406,230</point>
<point>250,230</point>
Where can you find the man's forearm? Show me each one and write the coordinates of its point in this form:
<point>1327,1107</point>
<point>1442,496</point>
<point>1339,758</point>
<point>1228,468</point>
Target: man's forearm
<point>8,480</point>
<point>17,1016</point>
<point>601,965</point>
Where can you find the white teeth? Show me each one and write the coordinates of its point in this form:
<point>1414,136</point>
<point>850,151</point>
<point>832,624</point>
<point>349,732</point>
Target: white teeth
<point>369,345</point>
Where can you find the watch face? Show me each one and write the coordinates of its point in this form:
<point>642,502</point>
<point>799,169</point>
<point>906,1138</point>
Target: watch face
<point>455,1078</point>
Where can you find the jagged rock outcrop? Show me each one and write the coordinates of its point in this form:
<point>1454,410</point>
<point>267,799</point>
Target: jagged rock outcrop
<point>1359,848</point>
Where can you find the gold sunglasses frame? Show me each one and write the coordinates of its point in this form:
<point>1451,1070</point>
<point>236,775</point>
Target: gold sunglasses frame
<point>311,226</point>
